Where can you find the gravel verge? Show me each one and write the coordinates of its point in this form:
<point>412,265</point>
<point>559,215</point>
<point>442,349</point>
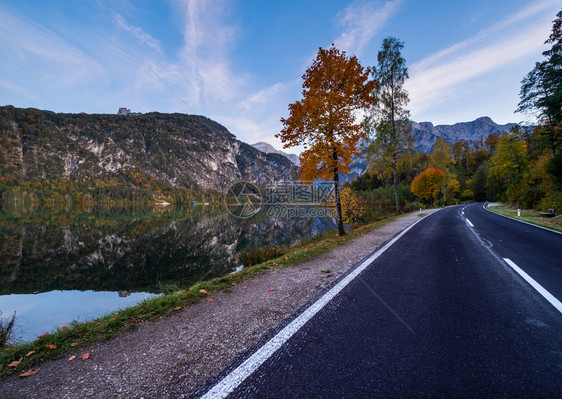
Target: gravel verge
<point>172,356</point>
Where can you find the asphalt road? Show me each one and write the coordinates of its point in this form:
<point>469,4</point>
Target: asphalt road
<point>438,314</point>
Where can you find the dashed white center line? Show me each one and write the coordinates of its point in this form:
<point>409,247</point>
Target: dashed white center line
<point>470,224</point>
<point>547,295</point>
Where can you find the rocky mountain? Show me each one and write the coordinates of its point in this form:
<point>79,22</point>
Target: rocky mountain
<point>426,134</point>
<point>269,149</point>
<point>187,151</point>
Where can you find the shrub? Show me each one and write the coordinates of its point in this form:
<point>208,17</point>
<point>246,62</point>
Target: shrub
<point>531,196</point>
<point>552,200</point>
<point>260,255</point>
<point>6,329</point>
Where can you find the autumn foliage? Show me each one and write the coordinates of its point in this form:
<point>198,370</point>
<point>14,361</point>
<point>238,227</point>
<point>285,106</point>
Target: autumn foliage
<point>324,121</point>
<point>428,184</point>
<point>353,206</point>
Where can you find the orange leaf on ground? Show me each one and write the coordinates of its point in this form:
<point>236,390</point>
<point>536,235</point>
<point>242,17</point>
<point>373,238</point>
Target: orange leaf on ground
<point>255,281</point>
<point>74,344</point>
<point>177,308</point>
<point>286,258</point>
<point>274,272</point>
<point>275,263</point>
<point>244,288</point>
<point>29,372</point>
<point>15,363</point>
<point>43,335</point>
<point>204,292</point>
<point>132,320</point>
<point>71,358</point>
<point>271,289</point>
<point>210,299</point>
<point>50,346</point>
<point>234,283</point>
<point>84,356</point>
<point>29,353</point>
<point>9,350</point>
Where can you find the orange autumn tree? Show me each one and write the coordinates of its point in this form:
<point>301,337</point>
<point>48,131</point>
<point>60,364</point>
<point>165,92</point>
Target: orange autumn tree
<point>324,121</point>
<point>428,184</point>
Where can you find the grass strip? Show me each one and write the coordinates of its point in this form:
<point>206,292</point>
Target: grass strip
<point>530,216</point>
<point>17,358</point>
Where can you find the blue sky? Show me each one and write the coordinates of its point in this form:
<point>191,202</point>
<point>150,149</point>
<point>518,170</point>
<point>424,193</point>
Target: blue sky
<point>241,62</point>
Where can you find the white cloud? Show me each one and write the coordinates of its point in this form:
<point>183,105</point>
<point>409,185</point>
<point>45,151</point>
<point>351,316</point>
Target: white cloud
<point>441,76</point>
<point>18,91</point>
<point>205,56</point>
<point>22,41</point>
<point>362,21</point>
<point>484,37</point>
<point>262,97</point>
<point>137,32</point>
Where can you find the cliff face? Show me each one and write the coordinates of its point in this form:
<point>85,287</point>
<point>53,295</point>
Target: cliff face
<point>185,150</point>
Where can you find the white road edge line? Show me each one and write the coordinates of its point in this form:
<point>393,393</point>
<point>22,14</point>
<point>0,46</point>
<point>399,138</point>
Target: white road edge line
<point>547,295</point>
<point>230,382</point>
<point>469,223</point>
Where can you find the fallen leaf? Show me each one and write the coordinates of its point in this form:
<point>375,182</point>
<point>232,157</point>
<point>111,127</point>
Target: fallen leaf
<point>244,288</point>
<point>29,372</point>
<point>274,272</point>
<point>275,263</point>
<point>234,283</point>
<point>64,328</point>
<point>286,258</point>
<point>9,350</point>
<point>71,358</point>
<point>255,281</point>
<point>132,320</point>
<point>29,353</point>
<point>15,363</point>
<point>74,344</point>
<point>271,289</point>
<point>84,356</point>
<point>203,292</point>
<point>177,308</point>
<point>43,335</point>
<point>50,346</point>
<point>210,299</point>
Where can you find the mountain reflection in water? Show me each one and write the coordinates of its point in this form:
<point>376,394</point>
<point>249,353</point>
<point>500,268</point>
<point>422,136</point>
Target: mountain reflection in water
<point>104,260</point>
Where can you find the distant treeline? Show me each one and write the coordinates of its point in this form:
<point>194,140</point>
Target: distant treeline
<point>128,187</point>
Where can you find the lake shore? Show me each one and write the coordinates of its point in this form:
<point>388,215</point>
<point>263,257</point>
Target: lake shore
<point>171,356</point>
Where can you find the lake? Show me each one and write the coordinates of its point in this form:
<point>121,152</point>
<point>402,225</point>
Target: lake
<point>60,266</point>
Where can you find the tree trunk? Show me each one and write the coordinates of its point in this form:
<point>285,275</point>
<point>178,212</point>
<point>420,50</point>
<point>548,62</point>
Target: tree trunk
<point>552,141</point>
<point>395,182</point>
<point>338,202</point>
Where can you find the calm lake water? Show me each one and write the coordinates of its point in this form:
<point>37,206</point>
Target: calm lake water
<point>61,266</point>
